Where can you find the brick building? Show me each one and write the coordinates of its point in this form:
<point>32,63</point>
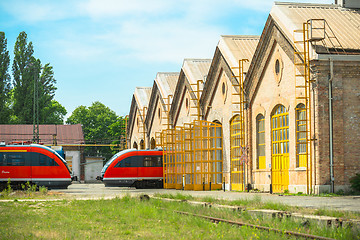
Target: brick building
<point>288,102</point>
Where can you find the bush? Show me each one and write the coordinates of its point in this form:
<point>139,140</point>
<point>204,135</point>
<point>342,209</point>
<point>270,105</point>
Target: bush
<point>355,182</point>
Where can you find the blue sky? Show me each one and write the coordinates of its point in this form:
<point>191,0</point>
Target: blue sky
<point>102,49</point>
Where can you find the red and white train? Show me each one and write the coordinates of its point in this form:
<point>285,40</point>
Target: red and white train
<point>33,163</point>
<point>138,168</point>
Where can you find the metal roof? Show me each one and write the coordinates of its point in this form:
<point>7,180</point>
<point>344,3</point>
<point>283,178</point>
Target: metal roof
<point>142,96</point>
<point>344,22</point>
<point>236,47</point>
<point>196,69</point>
<point>166,82</point>
<point>65,134</point>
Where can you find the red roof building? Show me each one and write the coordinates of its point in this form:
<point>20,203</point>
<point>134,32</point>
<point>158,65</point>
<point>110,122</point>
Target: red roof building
<point>48,134</point>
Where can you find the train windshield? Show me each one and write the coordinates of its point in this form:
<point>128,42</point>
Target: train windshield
<point>53,151</point>
<point>112,159</point>
<point>63,160</point>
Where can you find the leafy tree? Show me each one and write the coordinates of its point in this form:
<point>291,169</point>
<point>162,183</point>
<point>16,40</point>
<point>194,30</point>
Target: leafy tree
<point>4,80</point>
<point>99,124</point>
<point>24,69</point>
<point>28,73</point>
<point>53,113</point>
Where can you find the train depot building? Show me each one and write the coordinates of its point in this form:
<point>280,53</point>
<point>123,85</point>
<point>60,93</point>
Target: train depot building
<point>277,112</point>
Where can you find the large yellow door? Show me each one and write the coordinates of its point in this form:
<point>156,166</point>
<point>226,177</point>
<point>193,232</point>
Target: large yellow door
<point>280,149</point>
<point>237,154</point>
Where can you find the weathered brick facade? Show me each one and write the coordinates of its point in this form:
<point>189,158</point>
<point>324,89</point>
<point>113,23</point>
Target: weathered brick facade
<point>346,121</point>
<point>271,83</point>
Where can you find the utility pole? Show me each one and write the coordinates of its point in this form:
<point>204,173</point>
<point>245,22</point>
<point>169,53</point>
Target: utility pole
<point>36,109</point>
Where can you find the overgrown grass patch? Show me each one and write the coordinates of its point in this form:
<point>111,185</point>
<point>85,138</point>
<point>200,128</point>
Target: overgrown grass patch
<point>125,218</point>
<point>131,218</point>
<point>257,203</point>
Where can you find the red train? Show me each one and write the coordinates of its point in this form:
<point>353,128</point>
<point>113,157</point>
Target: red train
<point>33,163</point>
<point>138,168</point>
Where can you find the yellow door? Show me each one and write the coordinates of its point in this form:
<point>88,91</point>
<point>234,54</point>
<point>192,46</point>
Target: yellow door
<point>237,154</point>
<point>280,149</point>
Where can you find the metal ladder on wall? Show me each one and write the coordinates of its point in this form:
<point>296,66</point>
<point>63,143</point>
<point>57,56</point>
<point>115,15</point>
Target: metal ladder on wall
<point>142,114</point>
<point>123,137</point>
<point>197,93</point>
<point>158,135</point>
<point>238,143</point>
<point>313,30</point>
<point>167,142</point>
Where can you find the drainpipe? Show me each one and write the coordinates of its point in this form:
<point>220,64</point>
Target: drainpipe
<point>331,127</point>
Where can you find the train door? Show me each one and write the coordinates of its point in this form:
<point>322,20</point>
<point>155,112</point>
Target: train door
<point>129,165</point>
<point>280,149</point>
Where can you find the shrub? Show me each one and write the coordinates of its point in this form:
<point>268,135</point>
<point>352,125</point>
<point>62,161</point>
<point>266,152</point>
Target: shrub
<point>355,182</point>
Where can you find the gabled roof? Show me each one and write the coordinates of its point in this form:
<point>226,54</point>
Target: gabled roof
<point>230,49</point>
<point>65,134</point>
<point>344,22</point>
<point>166,83</point>
<point>236,47</point>
<point>139,100</point>
<point>196,69</point>
<point>192,71</point>
<point>142,96</point>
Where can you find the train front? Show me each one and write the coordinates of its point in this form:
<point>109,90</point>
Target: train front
<point>112,175</point>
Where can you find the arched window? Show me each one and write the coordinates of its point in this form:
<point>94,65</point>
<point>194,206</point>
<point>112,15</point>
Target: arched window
<point>300,135</point>
<point>260,142</point>
<point>135,145</point>
<point>142,144</point>
<point>152,143</point>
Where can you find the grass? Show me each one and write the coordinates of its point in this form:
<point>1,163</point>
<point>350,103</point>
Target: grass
<point>130,218</point>
<point>257,203</point>
<point>125,218</point>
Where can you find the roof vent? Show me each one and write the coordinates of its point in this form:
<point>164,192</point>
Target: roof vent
<point>349,3</point>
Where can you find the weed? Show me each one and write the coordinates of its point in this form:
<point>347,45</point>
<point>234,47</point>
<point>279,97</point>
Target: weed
<point>355,182</point>
<point>6,192</point>
<point>43,190</point>
<point>29,188</point>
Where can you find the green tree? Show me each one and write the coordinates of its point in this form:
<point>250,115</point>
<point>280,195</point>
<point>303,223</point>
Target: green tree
<point>53,113</point>
<point>24,71</point>
<point>99,124</point>
<point>28,74</point>
<point>4,80</point>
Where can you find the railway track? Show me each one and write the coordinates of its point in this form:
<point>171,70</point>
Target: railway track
<point>240,224</point>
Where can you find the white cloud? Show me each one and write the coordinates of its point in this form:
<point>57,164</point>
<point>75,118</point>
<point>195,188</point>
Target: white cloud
<point>113,8</point>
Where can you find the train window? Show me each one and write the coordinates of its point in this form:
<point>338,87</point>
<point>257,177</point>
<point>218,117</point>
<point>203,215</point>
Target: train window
<point>2,159</point>
<point>159,161</point>
<point>16,160</point>
<point>39,159</point>
<point>153,161</point>
<point>148,162</point>
<point>132,161</point>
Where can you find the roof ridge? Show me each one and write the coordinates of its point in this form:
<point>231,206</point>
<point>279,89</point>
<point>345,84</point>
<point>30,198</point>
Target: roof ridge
<point>299,4</point>
<point>241,36</point>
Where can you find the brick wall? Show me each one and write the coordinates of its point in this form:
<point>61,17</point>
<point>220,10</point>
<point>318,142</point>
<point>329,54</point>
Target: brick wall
<point>346,120</point>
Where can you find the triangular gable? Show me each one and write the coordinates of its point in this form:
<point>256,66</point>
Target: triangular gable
<point>192,71</point>
<point>229,51</point>
<point>164,86</point>
<point>139,102</point>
